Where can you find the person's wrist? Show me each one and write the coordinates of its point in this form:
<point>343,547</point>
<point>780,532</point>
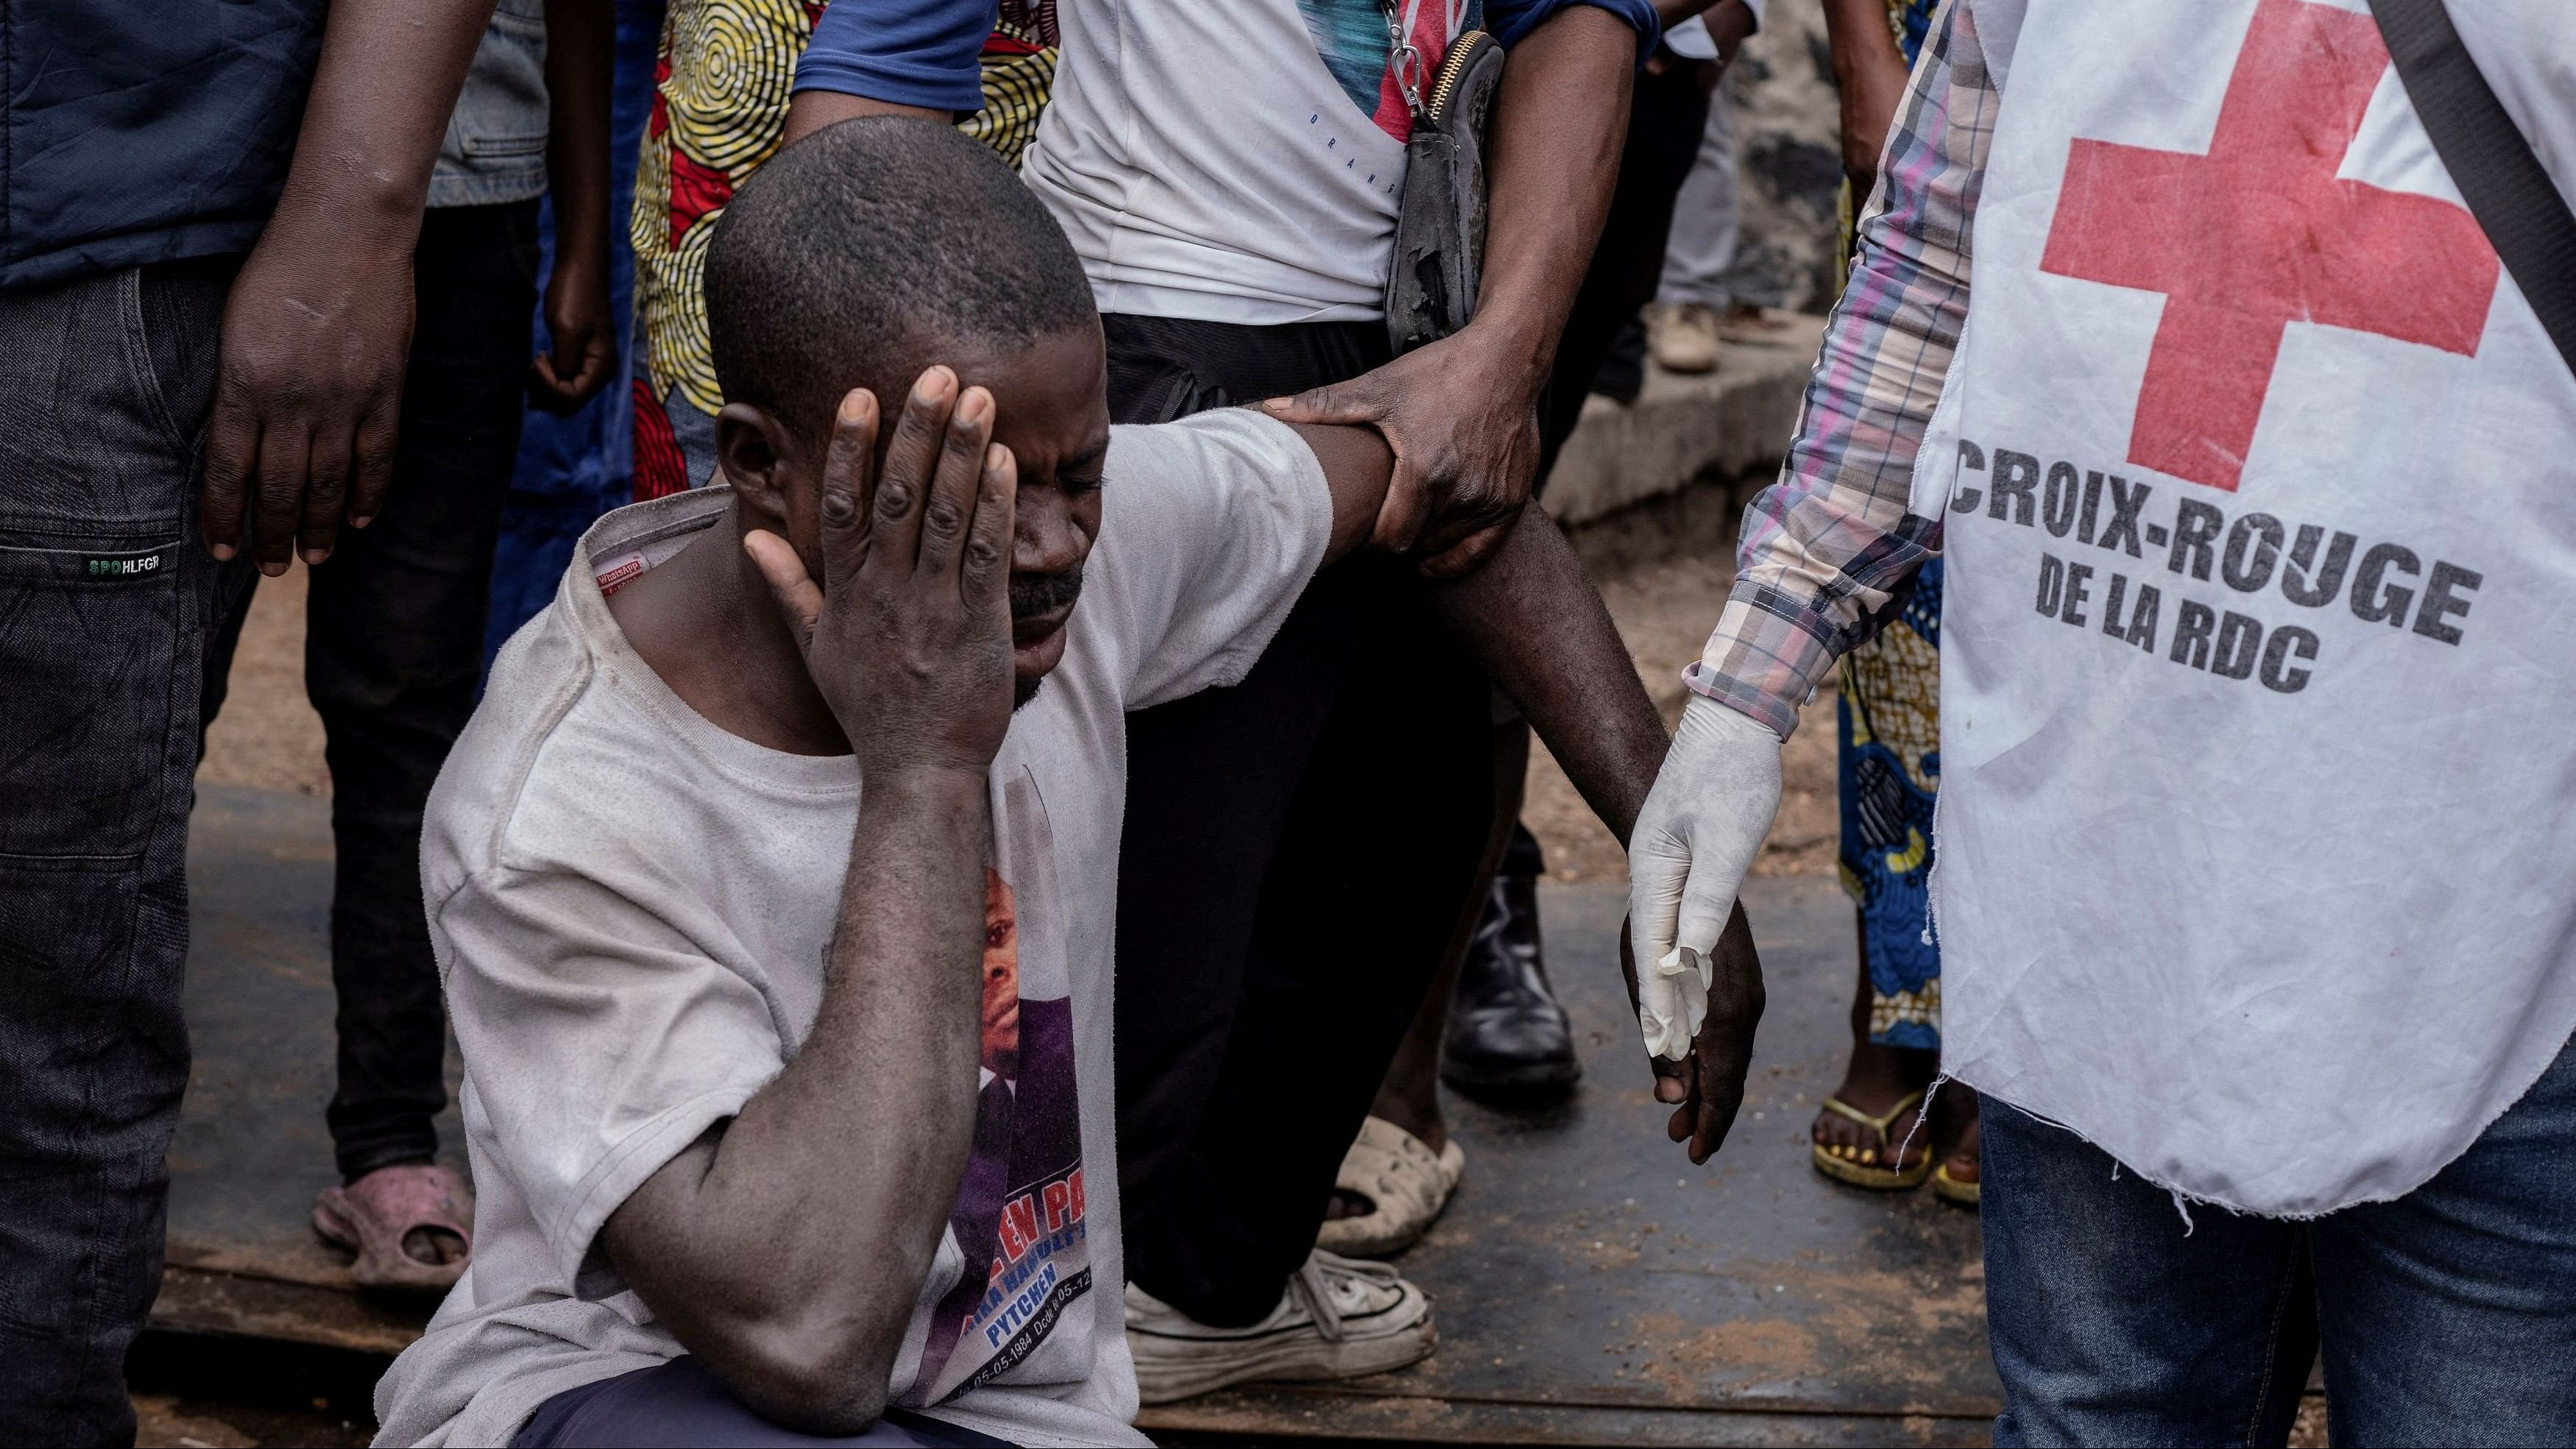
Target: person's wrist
<point>366,239</point>
<point>914,774</point>
<point>1507,350</point>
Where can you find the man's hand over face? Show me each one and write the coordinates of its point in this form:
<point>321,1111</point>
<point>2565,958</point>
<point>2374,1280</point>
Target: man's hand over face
<point>308,390</point>
<point>1465,434</point>
<point>908,632</point>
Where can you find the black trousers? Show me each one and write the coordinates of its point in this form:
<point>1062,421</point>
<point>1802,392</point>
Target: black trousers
<point>1665,120</point>
<point>393,654</point>
<point>1297,851</point>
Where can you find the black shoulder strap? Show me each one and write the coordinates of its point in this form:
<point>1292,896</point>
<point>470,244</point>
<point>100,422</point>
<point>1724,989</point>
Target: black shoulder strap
<point>2491,162</point>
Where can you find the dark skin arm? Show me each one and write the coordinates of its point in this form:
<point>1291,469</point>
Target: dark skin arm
<point>1869,72</point>
<point>1534,619</point>
<point>317,330</point>
<point>907,638</point>
<point>1462,413</point>
<point>581,40</point>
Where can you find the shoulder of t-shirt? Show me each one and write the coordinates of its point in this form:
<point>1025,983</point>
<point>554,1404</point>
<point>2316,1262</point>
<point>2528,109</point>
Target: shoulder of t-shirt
<point>515,796</point>
<point>925,53</point>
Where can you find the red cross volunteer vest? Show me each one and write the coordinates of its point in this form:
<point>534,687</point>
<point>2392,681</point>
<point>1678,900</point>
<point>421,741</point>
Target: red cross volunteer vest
<point>2258,481</point>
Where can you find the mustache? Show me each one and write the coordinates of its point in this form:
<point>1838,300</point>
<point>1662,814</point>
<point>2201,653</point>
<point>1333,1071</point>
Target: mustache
<point>1035,594</point>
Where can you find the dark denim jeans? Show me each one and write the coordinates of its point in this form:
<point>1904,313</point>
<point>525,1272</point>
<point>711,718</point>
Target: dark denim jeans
<point>2446,1317</point>
<point>107,602</point>
<point>393,654</point>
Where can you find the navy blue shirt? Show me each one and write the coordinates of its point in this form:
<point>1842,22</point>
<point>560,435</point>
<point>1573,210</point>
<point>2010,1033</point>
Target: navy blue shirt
<point>145,130</point>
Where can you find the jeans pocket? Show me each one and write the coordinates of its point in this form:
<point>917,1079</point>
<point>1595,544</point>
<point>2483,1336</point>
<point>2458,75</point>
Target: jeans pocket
<point>90,649</point>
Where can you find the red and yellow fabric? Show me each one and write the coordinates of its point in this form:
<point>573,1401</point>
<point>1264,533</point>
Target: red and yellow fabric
<point>721,89</point>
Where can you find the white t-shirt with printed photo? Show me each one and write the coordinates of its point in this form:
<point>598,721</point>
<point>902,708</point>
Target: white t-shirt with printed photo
<point>632,909</point>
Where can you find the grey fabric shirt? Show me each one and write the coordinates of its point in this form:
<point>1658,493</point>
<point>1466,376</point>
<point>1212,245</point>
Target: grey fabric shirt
<point>495,148</point>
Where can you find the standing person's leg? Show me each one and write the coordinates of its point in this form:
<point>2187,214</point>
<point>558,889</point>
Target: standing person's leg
<point>1692,291</point>
<point>1888,719</point>
<point>107,603</point>
<point>1375,867</point>
<point>1211,786</point>
<point>2117,1320</point>
<point>2449,1315</point>
<point>393,651</point>
<point>1209,783</point>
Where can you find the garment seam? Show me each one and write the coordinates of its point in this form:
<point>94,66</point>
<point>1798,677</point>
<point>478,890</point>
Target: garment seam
<point>138,359</point>
<point>2272,1345</point>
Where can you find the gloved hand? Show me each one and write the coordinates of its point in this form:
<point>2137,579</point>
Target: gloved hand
<point>1711,805</point>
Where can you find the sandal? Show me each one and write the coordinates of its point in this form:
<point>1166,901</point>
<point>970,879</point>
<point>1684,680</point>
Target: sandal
<point>376,1216</point>
<point>1405,1183</point>
<point>1951,1189</point>
<point>1865,1169</point>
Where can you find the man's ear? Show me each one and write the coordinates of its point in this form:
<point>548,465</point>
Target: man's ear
<point>755,453</point>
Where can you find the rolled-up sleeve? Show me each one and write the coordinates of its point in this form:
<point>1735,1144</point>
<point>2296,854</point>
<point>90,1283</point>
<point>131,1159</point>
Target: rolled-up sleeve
<point>1509,20</point>
<point>1826,550</point>
<point>904,52</point>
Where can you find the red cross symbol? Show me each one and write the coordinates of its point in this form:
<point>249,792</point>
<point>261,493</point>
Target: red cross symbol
<point>2261,233</point>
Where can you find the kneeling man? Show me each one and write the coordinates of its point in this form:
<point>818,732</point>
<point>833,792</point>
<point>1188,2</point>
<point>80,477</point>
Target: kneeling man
<point>773,884</point>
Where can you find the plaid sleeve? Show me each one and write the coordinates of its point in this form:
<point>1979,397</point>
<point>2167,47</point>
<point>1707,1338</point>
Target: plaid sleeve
<point>1826,550</point>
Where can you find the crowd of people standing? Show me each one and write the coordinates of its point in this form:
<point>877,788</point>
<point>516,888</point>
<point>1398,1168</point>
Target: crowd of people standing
<point>900,329</point>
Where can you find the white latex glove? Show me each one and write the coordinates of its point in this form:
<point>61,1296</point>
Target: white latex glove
<point>1702,823</point>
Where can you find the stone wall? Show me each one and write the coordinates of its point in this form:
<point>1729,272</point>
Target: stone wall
<point>1787,143</point>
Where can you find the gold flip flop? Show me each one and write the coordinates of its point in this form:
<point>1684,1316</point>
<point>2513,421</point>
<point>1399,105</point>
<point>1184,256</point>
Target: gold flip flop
<point>1952,1189</point>
<point>1867,1170</point>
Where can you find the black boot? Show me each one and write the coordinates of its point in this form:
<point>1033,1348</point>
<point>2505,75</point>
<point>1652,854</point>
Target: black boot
<point>1507,1035</point>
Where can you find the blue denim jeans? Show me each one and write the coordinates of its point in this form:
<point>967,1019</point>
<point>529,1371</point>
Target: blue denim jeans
<point>2446,1317</point>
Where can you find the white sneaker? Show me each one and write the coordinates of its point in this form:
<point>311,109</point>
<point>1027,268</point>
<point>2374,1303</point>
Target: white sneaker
<point>1339,1319</point>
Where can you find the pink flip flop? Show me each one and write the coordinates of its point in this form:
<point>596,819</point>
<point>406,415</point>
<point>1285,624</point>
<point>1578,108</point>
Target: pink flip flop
<point>375,1217</point>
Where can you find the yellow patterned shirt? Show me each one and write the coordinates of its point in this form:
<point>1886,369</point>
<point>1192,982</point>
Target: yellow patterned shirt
<point>721,88</point>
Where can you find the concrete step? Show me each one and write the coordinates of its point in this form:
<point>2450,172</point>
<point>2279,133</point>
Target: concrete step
<point>1731,425</point>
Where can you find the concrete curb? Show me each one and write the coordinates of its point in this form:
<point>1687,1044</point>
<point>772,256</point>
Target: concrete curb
<point>1719,426</point>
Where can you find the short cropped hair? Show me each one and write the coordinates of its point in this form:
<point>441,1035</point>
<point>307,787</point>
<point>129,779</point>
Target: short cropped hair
<point>855,256</point>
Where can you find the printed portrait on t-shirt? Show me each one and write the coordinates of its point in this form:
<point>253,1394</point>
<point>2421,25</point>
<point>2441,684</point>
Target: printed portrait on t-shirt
<point>1018,1223</point>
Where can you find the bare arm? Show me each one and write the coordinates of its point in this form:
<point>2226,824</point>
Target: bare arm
<point>1869,74</point>
<point>581,44</point>
<point>1532,617</point>
<point>317,330</point>
<point>1462,413</point>
<point>786,1247</point>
